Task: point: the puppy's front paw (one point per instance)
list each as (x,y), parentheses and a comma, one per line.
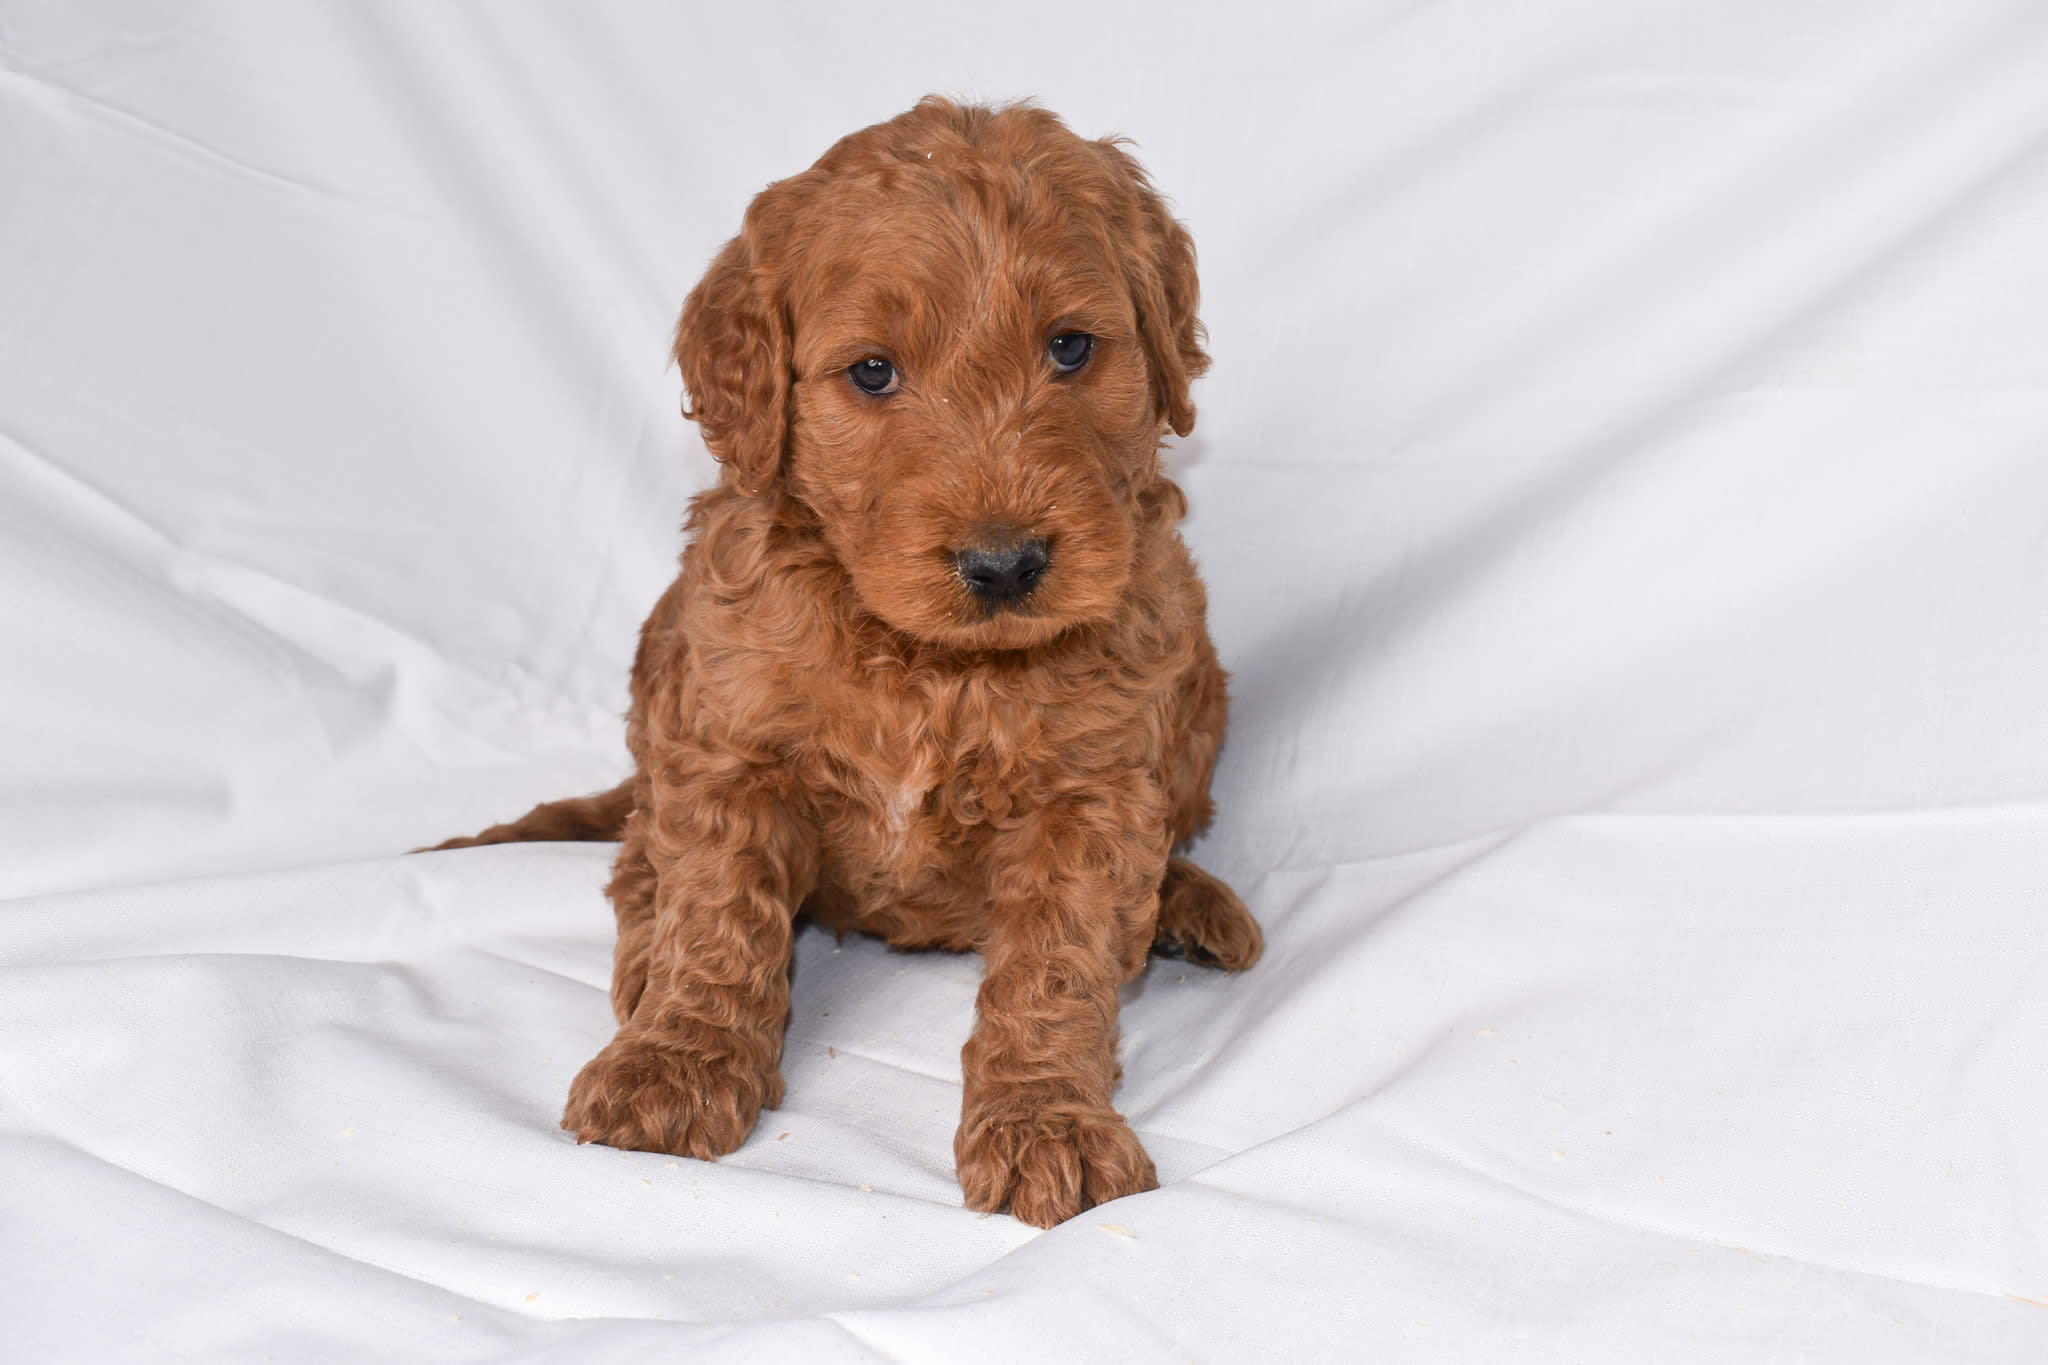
(1049,1165)
(658,1094)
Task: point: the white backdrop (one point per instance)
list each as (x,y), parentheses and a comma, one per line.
(1623,491)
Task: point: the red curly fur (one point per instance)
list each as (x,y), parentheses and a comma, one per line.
(827,721)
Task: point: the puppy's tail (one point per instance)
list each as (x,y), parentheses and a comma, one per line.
(595,818)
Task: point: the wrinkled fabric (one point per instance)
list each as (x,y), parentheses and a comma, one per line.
(1622,488)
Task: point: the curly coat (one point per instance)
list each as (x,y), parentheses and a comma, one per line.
(832,717)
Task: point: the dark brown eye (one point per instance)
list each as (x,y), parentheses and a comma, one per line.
(1070,350)
(873,375)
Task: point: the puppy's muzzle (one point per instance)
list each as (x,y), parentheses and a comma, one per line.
(1003,575)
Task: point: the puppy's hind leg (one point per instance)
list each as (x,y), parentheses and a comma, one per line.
(1202,920)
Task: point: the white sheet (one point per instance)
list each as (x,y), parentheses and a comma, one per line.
(1623,491)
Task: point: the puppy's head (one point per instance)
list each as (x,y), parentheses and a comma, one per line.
(955,342)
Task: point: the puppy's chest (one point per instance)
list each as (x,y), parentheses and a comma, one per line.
(918,785)
(915,776)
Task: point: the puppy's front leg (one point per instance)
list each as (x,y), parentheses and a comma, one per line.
(692,1067)
(1074,890)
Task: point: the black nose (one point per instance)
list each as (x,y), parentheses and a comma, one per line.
(1002,573)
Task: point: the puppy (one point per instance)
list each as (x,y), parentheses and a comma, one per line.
(935,667)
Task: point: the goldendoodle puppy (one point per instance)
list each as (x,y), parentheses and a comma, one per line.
(935,667)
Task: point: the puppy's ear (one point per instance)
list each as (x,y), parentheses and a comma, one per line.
(732,346)
(1166,290)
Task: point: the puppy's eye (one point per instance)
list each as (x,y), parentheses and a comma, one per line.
(1070,350)
(873,375)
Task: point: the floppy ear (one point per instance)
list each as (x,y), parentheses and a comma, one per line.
(1166,291)
(732,346)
